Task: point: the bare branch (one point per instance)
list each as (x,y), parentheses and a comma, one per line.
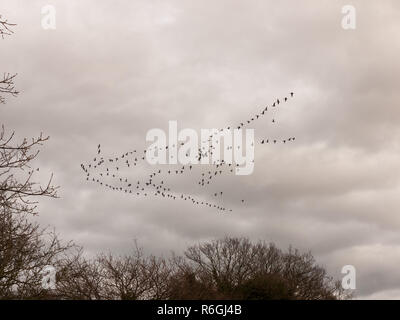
(5,27)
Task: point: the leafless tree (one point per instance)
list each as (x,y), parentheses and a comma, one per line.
(25,248)
(231,268)
(7,81)
(5,27)
(79,278)
(16,186)
(127,277)
(17,189)
(7,86)
(236,268)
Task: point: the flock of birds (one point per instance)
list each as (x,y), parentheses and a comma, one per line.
(111,172)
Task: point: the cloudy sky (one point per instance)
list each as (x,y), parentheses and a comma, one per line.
(111,71)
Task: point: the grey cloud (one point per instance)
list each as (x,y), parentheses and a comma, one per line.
(111,71)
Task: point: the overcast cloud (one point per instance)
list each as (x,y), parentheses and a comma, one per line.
(115,69)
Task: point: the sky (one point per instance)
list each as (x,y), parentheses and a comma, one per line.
(111,71)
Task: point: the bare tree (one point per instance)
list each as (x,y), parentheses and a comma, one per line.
(235,268)
(25,248)
(7,82)
(127,277)
(17,189)
(7,86)
(230,268)
(5,27)
(16,186)
(79,278)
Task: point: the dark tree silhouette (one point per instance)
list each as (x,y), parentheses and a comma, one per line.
(236,268)
(7,86)
(5,27)
(7,82)
(25,248)
(17,189)
(231,268)
(129,277)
